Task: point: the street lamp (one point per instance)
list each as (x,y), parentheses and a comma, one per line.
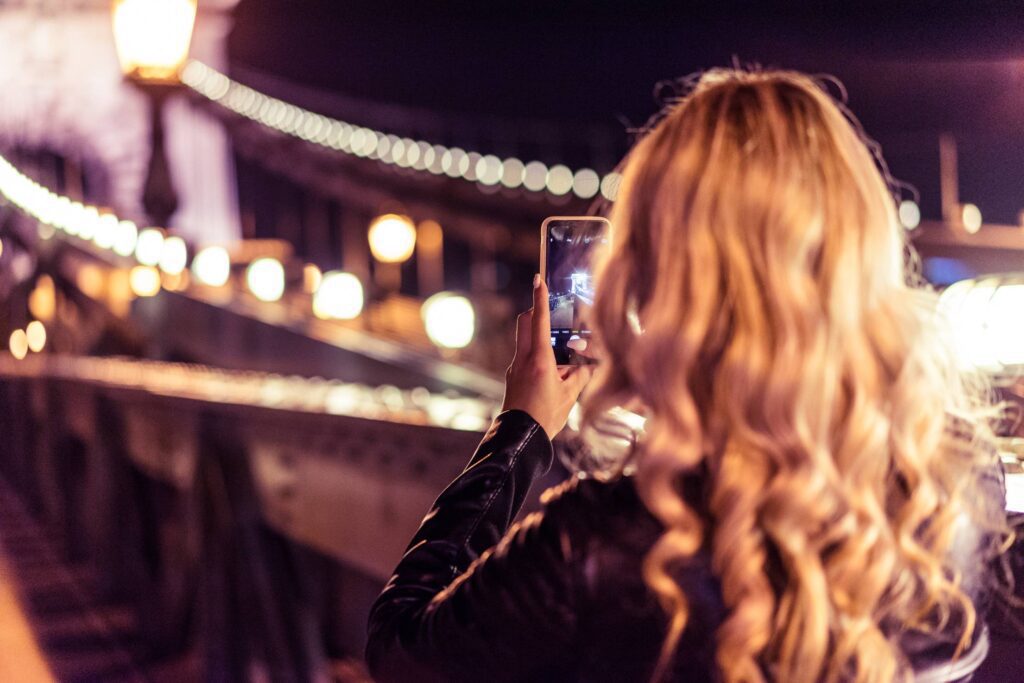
(152,39)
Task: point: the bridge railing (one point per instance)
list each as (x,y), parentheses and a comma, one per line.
(249,517)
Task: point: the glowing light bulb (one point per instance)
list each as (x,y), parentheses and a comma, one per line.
(35,335)
(144,281)
(451,161)
(152,36)
(125,238)
(42,302)
(106,231)
(265,279)
(87,221)
(489,170)
(173,255)
(340,296)
(610,186)
(436,165)
(18,344)
(212,266)
(559,180)
(535,176)
(449,320)
(149,246)
(586,183)
(392,238)
(971,217)
(512,173)
(910,214)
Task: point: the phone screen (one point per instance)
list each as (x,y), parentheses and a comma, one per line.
(569,250)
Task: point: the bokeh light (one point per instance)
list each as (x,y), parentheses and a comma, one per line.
(18,344)
(559,180)
(970,215)
(152,36)
(212,266)
(173,255)
(144,281)
(340,296)
(265,279)
(35,334)
(106,231)
(449,320)
(910,214)
(392,238)
(125,238)
(586,183)
(149,246)
(42,302)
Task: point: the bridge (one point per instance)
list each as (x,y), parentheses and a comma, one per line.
(221,428)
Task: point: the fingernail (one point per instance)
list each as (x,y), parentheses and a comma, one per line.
(536,280)
(577,344)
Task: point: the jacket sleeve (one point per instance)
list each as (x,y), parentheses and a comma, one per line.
(461,605)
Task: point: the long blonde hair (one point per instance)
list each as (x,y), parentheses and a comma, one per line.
(754,301)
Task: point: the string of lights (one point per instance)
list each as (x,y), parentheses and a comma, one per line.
(392,150)
(158,257)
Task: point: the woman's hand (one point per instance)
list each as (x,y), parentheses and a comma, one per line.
(533,383)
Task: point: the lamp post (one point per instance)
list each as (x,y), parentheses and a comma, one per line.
(152,39)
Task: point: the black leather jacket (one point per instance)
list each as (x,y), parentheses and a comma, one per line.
(560,596)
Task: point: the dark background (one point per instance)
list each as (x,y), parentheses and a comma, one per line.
(911,69)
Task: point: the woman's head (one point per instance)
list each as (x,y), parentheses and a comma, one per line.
(754,302)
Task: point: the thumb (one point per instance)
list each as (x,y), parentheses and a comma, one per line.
(541,327)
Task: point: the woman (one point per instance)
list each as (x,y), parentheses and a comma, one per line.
(814,496)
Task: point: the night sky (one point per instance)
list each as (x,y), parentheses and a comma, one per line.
(911,69)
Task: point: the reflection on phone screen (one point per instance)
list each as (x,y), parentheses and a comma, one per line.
(570,250)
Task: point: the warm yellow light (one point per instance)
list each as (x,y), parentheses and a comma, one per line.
(173,255)
(449,320)
(144,280)
(42,302)
(149,246)
(212,266)
(152,37)
(265,279)
(106,231)
(1,247)
(125,237)
(90,280)
(340,296)
(311,277)
(35,334)
(18,344)
(392,238)
(971,217)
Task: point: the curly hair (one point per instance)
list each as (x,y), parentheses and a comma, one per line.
(755,301)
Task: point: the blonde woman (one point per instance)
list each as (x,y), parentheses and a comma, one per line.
(814,497)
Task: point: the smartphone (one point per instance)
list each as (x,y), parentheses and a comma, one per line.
(567,248)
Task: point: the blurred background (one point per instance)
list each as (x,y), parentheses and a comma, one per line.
(260,263)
